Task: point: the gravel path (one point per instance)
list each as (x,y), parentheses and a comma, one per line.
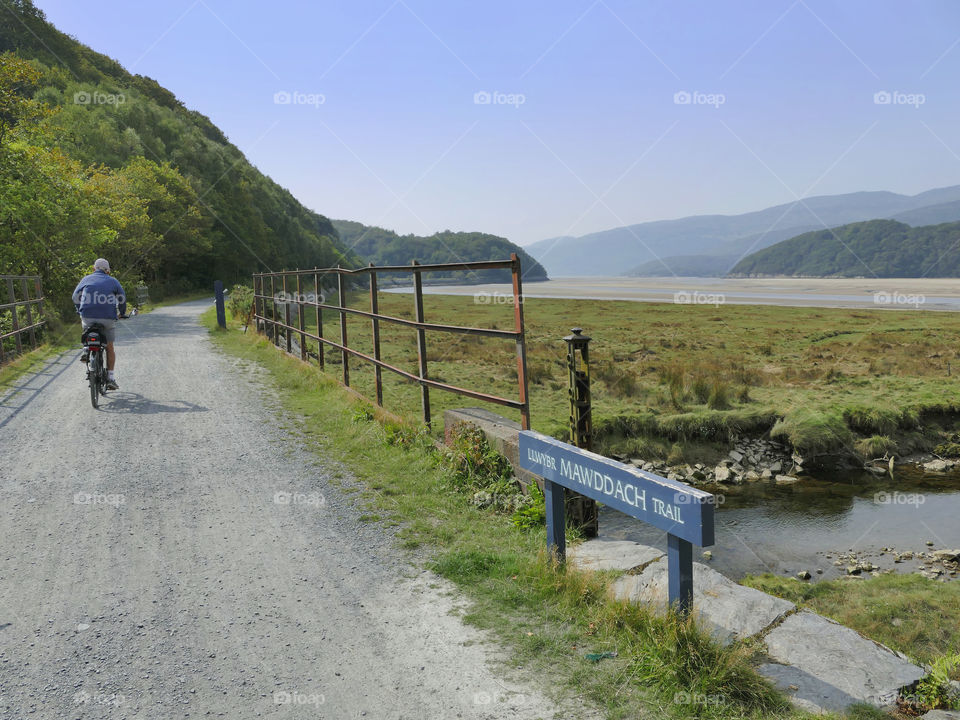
(149,569)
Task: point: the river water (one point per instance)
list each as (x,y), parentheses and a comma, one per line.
(784,529)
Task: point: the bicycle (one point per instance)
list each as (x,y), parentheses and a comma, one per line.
(95,348)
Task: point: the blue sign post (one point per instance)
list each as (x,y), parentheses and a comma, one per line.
(218,296)
(684,512)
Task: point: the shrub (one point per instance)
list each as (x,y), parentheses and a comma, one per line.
(241,303)
(876,446)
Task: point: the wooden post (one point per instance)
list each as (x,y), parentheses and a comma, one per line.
(13,310)
(318,296)
(375,309)
(303,339)
(554,496)
(680,573)
(421,343)
(221,312)
(344,355)
(26,296)
(521,342)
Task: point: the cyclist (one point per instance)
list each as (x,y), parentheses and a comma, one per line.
(97,298)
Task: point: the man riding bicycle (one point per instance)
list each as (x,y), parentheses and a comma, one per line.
(98,297)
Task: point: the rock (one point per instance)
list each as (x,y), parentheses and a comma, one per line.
(853,569)
(946,555)
(766,474)
(803,575)
(831,666)
(751,476)
(603,554)
(819,571)
(775,467)
(722,473)
(707,555)
(785,479)
(929,543)
(941,715)
(937,466)
(737,456)
(730,611)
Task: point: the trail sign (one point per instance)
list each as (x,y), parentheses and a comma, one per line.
(685,513)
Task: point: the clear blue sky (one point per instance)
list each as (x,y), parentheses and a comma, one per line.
(599,139)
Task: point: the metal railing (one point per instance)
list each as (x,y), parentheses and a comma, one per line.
(19,299)
(281,281)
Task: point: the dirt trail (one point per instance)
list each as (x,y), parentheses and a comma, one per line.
(148,568)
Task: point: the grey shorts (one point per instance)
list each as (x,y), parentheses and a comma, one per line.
(109,326)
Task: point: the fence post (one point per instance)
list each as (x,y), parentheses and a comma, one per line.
(680,573)
(303,340)
(221,313)
(582,510)
(286,315)
(38,287)
(318,296)
(13,311)
(273,312)
(375,309)
(26,296)
(521,341)
(344,355)
(421,343)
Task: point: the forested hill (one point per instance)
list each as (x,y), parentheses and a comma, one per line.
(385,247)
(96,161)
(876,248)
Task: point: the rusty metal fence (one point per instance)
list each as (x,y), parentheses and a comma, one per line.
(267,286)
(21,315)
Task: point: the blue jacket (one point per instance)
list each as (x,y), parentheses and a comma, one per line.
(99,295)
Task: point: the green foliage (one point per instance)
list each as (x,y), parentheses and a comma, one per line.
(879,248)
(934,691)
(241,303)
(876,446)
(95,161)
(532,514)
(474,464)
(385,247)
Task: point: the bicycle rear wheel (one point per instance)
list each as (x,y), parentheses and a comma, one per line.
(93,375)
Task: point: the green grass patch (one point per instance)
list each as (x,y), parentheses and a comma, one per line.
(549,618)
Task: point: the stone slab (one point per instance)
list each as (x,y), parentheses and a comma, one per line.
(605,554)
(834,666)
(942,715)
(729,611)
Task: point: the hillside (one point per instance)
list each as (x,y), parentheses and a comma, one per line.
(638,249)
(385,247)
(96,161)
(877,248)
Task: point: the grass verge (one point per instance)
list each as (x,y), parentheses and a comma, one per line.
(548,618)
(58,338)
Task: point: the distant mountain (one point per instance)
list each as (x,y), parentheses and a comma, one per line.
(385,247)
(665,247)
(877,248)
